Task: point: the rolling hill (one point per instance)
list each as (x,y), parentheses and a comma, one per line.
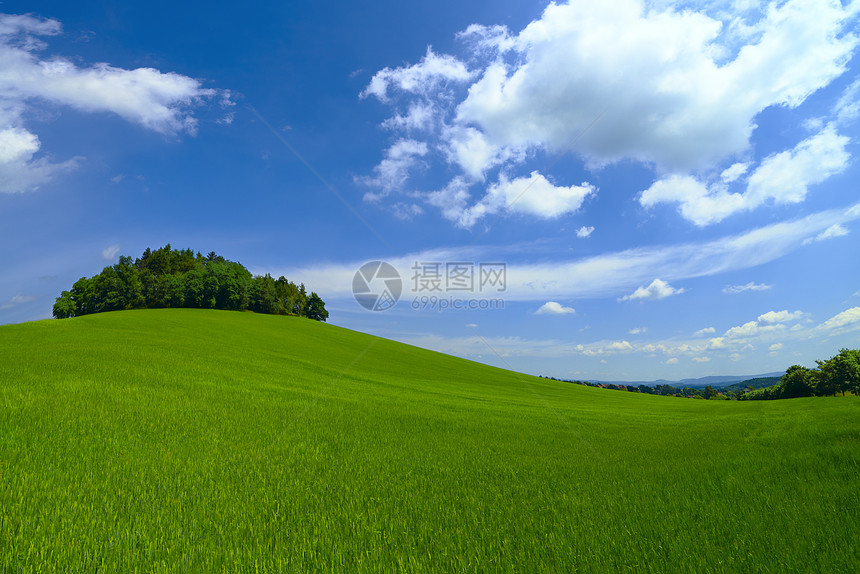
(188,440)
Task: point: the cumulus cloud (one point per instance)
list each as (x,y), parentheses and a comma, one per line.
(675,89)
(421,78)
(584,231)
(772,317)
(658,289)
(534,195)
(748,329)
(672,361)
(705,331)
(162,102)
(783,178)
(845,321)
(553,308)
(638,330)
(701,359)
(751,286)
(770,322)
(669,76)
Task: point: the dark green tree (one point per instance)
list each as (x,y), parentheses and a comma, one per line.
(840,373)
(64,307)
(797,382)
(316,308)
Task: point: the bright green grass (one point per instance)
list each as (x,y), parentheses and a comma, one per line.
(182,440)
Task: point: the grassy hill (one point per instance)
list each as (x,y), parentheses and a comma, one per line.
(183,440)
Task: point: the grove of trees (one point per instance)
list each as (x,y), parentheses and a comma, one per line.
(838,374)
(180,278)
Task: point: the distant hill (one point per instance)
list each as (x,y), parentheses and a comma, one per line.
(757,383)
(716,381)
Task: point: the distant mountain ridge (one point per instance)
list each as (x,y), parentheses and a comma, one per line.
(716,381)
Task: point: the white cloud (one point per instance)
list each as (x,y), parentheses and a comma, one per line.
(638,330)
(469,149)
(835,230)
(705,331)
(782,178)
(659,72)
(847,109)
(751,286)
(845,321)
(534,195)
(472,325)
(584,231)
(773,317)
(697,350)
(698,203)
(770,322)
(421,78)
(158,101)
(420,116)
(748,329)
(393,171)
(108,253)
(658,289)
(619,347)
(16,300)
(605,275)
(676,88)
(553,308)
(733,172)
(785,177)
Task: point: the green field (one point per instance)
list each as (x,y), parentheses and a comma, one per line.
(186,440)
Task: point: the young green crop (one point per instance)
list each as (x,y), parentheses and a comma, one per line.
(183,440)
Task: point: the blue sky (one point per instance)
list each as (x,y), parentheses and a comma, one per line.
(671,187)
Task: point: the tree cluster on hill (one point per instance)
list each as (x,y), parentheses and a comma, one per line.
(837,374)
(180,278)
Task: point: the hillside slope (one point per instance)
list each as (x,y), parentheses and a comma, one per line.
(181,439)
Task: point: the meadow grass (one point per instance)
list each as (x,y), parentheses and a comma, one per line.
(186,440)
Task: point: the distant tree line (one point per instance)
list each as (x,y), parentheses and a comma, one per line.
(838,374)
(180,278)
(663,390)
